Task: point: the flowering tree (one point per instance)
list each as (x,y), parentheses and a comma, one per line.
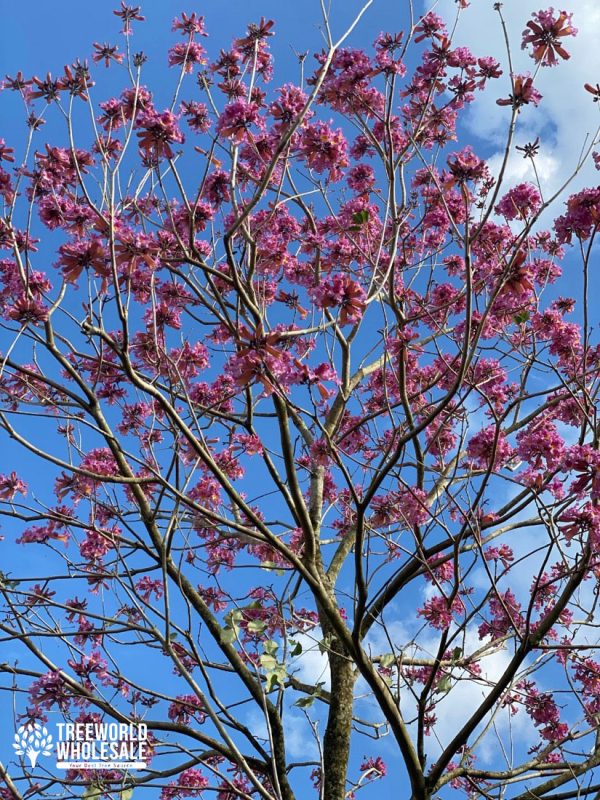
(292,363)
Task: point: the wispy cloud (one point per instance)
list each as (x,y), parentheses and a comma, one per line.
(566,119)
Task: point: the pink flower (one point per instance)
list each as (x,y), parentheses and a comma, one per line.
(541,445)
(6,153)
(324,149)
(466,166)
(505,616)
(375,767)
(504,554)
(439,570)
(196,115)
(237,118)
(341,291)
(545,34)
(582,218)
(190,783)
(250,443)
(431,26)
(542,709)
(188,54)
(361,178)
(10,485)
(521,202)
(160,132)
(50,690)
(320,451)
(185,707)
(289,105)
(488,444)
(584,522)
(488,68)
(439,612)
(217,187)
(189,25)
(388,47)
(97,544)
(413,507)
(147,586)
(523,93)
(93,664)
(128,14)
(28,311)
(107,53)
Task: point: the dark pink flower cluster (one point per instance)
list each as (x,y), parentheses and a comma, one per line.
(505,616)
(441,613)
(187,54)
(343,292)
(582,218)
(374,767)
(186,707)
(324,149)
(521,202)
(10,485)
(190,783)
(489,448)
(545,34)
(544,712)
(159,132)
(50,690)
(523,92)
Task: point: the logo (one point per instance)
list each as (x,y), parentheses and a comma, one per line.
(33,740)
(86,745)
(93,745)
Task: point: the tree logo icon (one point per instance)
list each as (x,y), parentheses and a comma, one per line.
(33,740)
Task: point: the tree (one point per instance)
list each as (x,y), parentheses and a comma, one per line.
(299,387)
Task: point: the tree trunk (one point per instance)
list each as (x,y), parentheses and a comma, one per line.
(336,742)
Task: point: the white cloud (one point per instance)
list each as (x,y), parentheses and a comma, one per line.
(298,741)
(311,666)
(464,698)
(567,117)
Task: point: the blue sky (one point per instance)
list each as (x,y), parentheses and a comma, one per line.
(40,36)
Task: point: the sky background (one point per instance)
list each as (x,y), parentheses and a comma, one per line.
(39,36)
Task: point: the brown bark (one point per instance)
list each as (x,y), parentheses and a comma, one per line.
(336,742)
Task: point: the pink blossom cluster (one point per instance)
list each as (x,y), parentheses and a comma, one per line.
(190,783)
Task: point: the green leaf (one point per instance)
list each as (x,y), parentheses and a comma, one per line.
(127,794)
(296,649)
(457,653)
(324,644)
(271,647)
(228,635)
(387,660)
(444,685)
(7,582)
(360,217)
(271,566)
(521,317)
(305,702)
(269,662)
(257,626)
